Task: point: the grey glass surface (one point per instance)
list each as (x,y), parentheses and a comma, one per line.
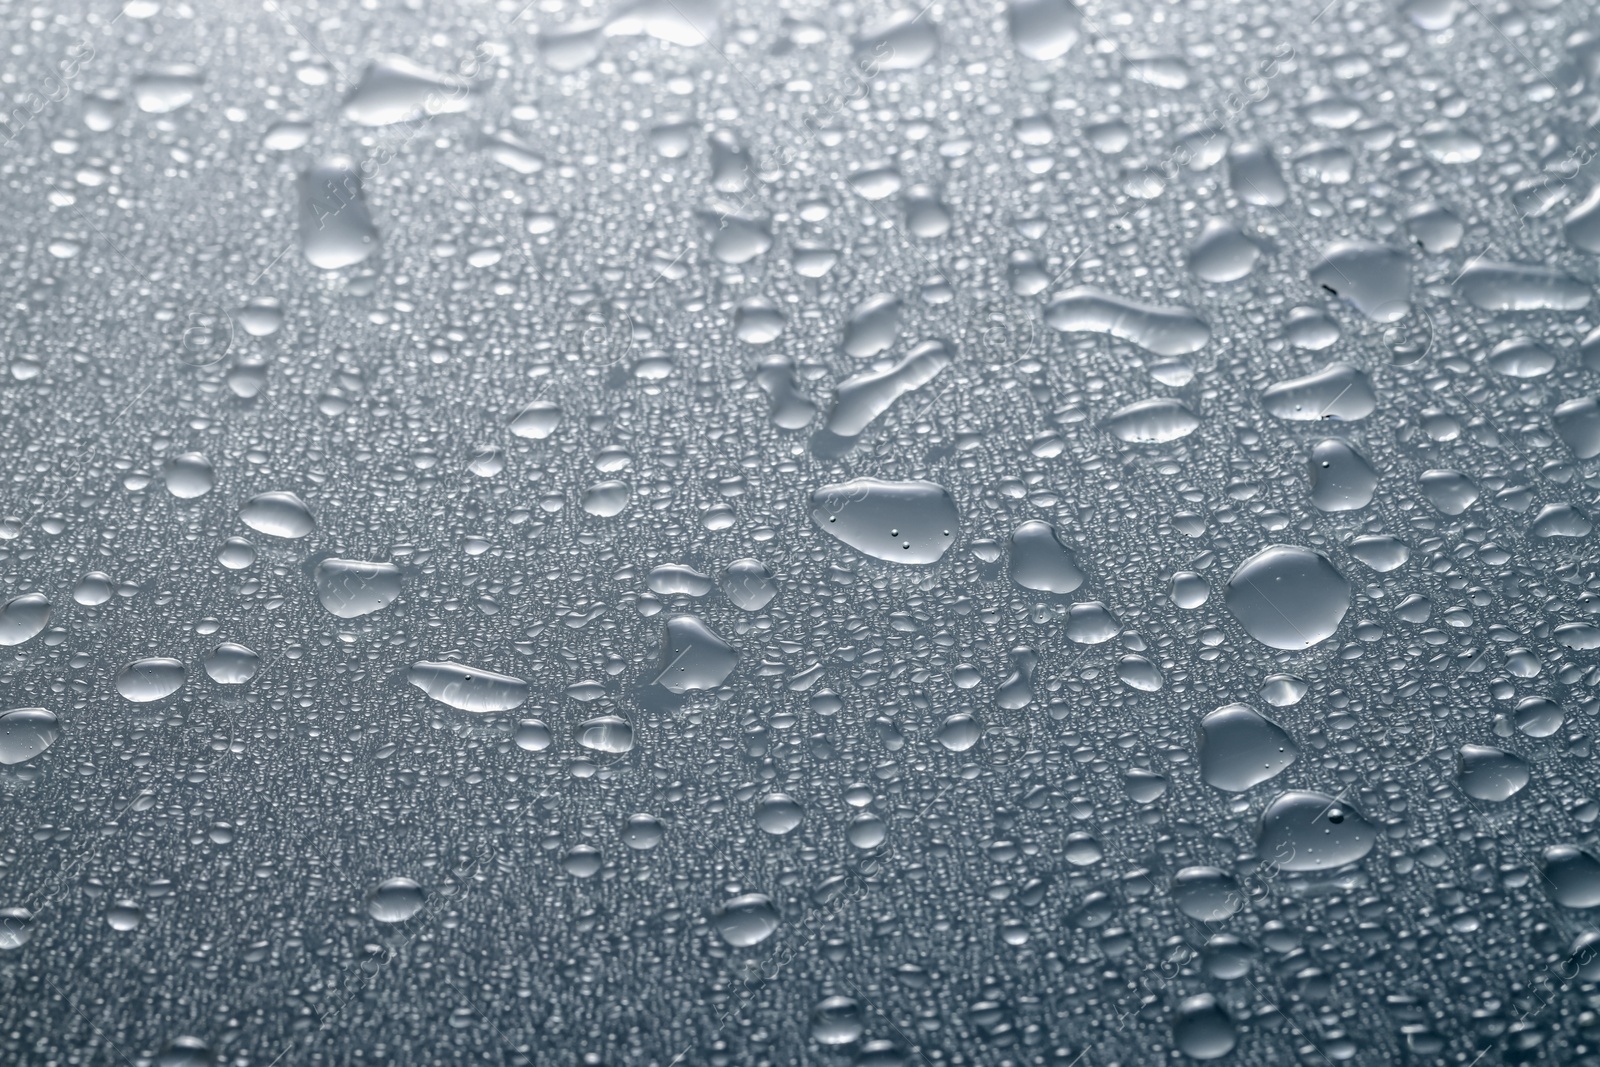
(677,532)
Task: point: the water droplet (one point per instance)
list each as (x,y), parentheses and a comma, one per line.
(749,583)
(280,514)
(231,663)
(1495,286)
(905,41)
(871,326)
(1288,597)
(1341,478)
(395,900)
(162,90)
(864,397)
(1337,391)
(863,512)
(1044,30)
(26,733)
(189,475)
(351,588)
(22,618)
(1222,253)
(1164,331)
(1374,278)
(1041,561)
(1305,831)
(145,681)
(468,688)
(1201,1028)
(779,814)
(336,228)
(394,89)
(1240,748)
(1154,421)
(1487,773)
(745,920)
(610,734)
(1206,893)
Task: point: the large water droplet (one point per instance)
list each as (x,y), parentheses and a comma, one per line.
(395,900)
(350,588)
(1240,748)
(336,228)
(25,733)
(1487,773)
(1041,561)
(864,397)
(468,688)
(1222,253)
(1165,331)
(1154,421)
(694,656)
(1375,278)
(1044,29)
(1288,597)
(905,41)
(1206,893)
(899,522)
(1337,391)
(1495,286)
(145,681)
(779,814)
(280,514)
(1341,477)
(394,89)
(190,475)
(1306,831)
(872,326)
(231,663)
(1201,1028)
(161,90)
(22,618)
(1572,875)
(745,920)
(1577,422)
(610,734)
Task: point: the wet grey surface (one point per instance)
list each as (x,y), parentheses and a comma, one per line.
(695,533)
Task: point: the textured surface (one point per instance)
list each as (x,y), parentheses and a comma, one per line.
(673,533)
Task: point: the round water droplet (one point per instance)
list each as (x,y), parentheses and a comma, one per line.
(1206,893)
(1202,1030)
(611,734)
(25,733)
(1572,875)
(1305,831)
(351,588)
(1288,597)
(643,832)
(280,514)
(93,589)
(190,475)
(837,1021)
(147,680)
(1487,773)
(23,618)
(745,920)
(395,900)
(1240,749)
(16,928)
(124,915)
(779,814)
(532,735)
(231,663)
